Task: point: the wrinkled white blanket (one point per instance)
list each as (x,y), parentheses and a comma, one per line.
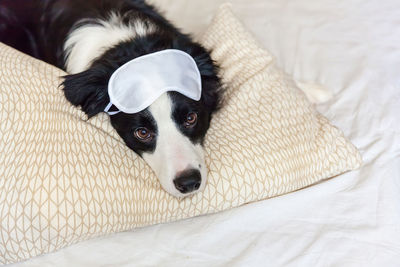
(351,47)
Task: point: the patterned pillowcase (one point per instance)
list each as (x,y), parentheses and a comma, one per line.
(64,179)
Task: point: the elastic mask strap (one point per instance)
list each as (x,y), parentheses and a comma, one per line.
(110,112)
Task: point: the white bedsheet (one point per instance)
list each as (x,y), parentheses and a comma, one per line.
(353,48)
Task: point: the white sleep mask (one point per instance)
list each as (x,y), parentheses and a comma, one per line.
(137,84)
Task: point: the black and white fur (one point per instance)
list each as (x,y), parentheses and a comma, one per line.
(90,39)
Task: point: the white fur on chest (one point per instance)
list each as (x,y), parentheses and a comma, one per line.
(89,41)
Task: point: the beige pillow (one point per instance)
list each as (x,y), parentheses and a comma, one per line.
(64,179)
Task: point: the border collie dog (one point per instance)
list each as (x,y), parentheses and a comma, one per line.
(91,39)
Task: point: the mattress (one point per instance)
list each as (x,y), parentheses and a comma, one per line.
(351,47)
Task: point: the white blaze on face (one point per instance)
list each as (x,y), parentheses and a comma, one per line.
(174,153)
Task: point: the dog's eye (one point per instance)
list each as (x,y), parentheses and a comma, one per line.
(143,134)
(191,119)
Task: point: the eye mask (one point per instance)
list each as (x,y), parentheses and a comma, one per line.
(138,83)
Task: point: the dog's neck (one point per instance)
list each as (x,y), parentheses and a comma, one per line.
(92,38)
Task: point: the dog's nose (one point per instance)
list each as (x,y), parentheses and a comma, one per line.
(188,181)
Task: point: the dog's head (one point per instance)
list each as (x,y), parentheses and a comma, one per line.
(168,134)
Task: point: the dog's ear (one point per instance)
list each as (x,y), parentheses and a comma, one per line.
(211,83)
(88,90)
(211,94)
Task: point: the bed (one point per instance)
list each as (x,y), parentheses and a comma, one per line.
(351,47)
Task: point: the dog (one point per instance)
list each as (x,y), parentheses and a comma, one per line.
(90,40)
